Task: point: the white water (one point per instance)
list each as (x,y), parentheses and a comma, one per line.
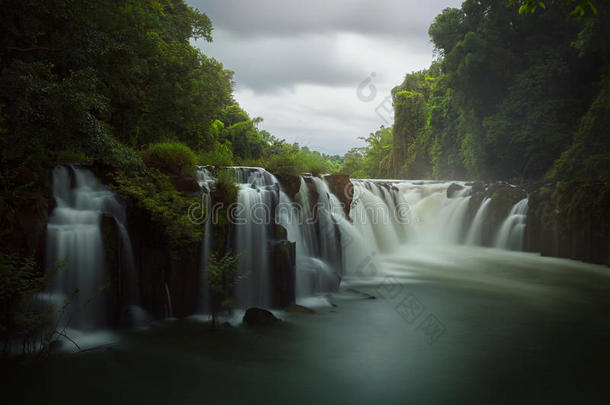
(475,235)
(74,235)
(258,194)
(510,235)
(384,217)
(391,214)
(204,178)
(169,310)
(206,181)
(326,242)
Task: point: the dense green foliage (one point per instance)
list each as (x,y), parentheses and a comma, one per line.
(82,76)
(373,160)
(20,323)
(518,90)
(153,192)
(510,96)
(117,85)
(530,6)
(170,157)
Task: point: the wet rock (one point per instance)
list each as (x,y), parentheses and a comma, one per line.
(341,186)
(476,187)
(259,317)
(279,232)
(282,261)
(290,184)
(503,197)
(453,189)
(158,265)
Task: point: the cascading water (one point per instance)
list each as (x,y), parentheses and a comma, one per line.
(326,242)
(169,310)
(384,215)
(475,234)
(258,195)
(390,214)
(374,215)
(510,235)
(74,234)
(205,180)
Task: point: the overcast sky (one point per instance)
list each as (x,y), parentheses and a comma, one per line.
(300,64)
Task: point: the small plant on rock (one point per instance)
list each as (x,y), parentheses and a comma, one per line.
(222,278)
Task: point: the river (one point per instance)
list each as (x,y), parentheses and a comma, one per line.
(447,325)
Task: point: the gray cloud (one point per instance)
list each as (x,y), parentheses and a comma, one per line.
(292,18)
(271,63)
(298,63)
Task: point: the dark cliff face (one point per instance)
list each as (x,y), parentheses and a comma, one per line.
(159,265)
(570,220)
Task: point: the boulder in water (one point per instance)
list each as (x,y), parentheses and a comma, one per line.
(453,189)
(259,317)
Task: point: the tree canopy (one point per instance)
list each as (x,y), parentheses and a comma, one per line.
(509,96)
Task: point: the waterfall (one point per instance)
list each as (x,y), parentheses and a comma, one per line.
(169,311)
(74,234)
(257,199)
(475,234)
(329,211)
(327,243)
(510,235)
(374,214)
(205,180)
(384,215)
(390,214)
